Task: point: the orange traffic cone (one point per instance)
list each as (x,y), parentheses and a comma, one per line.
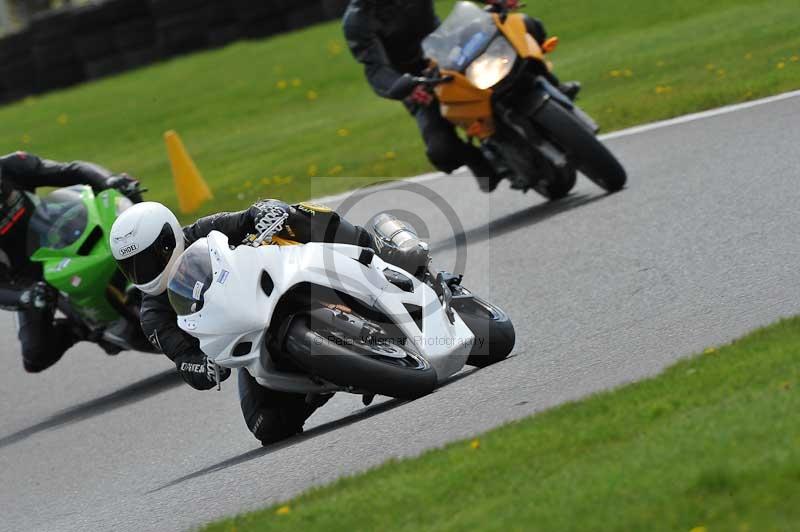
(191,188)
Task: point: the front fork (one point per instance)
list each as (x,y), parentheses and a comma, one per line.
(544,91)
(519,115)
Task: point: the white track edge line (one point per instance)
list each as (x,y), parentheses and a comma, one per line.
(635,130)
(710,113)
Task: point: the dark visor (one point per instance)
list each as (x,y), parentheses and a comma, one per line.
(150,263)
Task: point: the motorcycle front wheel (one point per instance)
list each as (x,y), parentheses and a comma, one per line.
(378,366)
(583,148)
(493,330)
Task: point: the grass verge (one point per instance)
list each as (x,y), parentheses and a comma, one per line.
(265,118)
(712,444)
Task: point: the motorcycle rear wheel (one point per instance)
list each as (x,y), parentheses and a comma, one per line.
(380,368)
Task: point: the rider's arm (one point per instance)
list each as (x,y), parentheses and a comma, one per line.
(235,225)
(160,325)
(368,50)
(306,222)
(28,171)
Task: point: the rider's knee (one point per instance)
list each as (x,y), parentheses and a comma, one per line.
(36,360)
(270,416)
(268,425)
(440,151)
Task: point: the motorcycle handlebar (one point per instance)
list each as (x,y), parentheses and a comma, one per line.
(433,81)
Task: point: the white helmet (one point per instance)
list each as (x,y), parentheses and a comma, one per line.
(146,241)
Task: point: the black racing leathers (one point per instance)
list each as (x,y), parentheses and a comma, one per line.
(43,339)
(269,415)
(19,173)
(386,37)
(306,223)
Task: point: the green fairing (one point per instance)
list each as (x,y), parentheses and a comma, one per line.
(84,278)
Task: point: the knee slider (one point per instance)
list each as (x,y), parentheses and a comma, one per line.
(33,361)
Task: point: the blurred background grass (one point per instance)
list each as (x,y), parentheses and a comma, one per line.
(267,118)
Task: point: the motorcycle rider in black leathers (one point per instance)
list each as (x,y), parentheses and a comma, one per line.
(44,339)
(386,37)
(270,415)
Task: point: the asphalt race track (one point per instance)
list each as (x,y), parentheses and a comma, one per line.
(701,248)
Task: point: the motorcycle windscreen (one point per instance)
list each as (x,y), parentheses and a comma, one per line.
(461,38)
(58,221)
(191,279)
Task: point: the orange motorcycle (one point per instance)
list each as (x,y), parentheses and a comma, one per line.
(491,80)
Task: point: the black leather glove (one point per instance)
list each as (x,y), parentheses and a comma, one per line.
(40,296)
(127,186)
(198,371)
(269,218)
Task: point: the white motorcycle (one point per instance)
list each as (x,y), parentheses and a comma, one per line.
(320,318)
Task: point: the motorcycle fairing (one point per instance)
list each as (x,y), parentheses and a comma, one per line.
(517,34)
(237,311)
(81,267)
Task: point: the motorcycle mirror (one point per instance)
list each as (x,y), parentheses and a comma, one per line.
(403,87)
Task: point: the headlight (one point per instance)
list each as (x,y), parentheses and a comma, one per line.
(494,65)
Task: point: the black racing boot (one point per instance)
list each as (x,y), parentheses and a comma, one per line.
(115,338)
(498,169)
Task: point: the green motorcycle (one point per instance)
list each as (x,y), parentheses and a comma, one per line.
(68,235)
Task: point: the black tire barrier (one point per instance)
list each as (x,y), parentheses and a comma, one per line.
(15,45)
(69,45)
(305,16)
(58,76)
(334,8)
(223,35)
(223,14)
(95,45)
(135,34)
(57,64)
(17,78)
(259,9)
(165,9)
(52,26)
(139,58)
(183,33)
(262,27)
(106,66)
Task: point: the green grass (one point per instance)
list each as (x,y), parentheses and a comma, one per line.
(712,444)
(248,117)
